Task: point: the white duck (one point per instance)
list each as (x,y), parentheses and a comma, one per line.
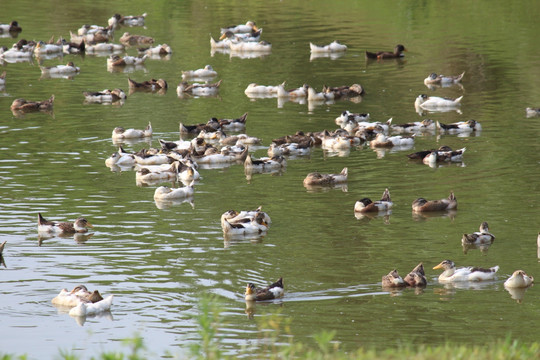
(248,27)
(206,72)
(451,274)
(332,47)
(167,193)
(519,279)
(120,133)
(434,102)
(479,237)
(67,69)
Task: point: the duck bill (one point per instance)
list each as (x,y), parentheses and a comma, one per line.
(438,267)
(249,291)
(222,36)
(89,225)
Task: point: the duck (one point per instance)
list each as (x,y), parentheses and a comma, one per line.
(198,89)
(132,40)
(398,53)
(460,127)
(99,36)
(252,36)
(80,225)
(206,72)
(261,46)
(150,174)
(69,68)
(532,112)
(128,20)
(481,237)
(445,155)
(121,133)
(301,92)
(435,102)
(71,47)
(3,79)
(417,126)
(366,205)
(255,89)
(2,246)
(236,124)
(28,106)
(393,280)
(451,274)
(381,140)
(25,53)
(94,29)
(104,47)
(291,149)
(417,277)
(120,158)
(255,225)
(167,193)
(213,156)
(45,49)
(211,125)
(12,27)
(345,91)
(149,85)
(244,216)
(434,79)
(347,115)
(316,178)
(248,27)
(519,279)
(82,301)
(272,291)
(420,155)
(421,204)
(313,95)
(105,96)
(330,48)
(161,49)
(115,60)
(265,163)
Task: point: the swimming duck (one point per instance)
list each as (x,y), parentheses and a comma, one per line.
(254,90)
(248,27)
(244,216)
(120,158)
(12,27)
(434,79)
(347,115)
(150,174)
(71,47)
(417,126)
(115,60)
(381,140)
(421,204)
(198,89)
(470,273)
(444,154)
(121,133)
(43,49)
(434,102)
(393,280)
(206,72)
(213,156)
(232,124)
(210,126)
(67,69)
(480,237)
(82,301)
(265,163)
(366,205)
(291,149)
(261,46)
(80,225)
(128,20)
(532,112)
(28,106)
(345,90)
(316,178)
(256,225)
(252,36)
(319,96)
(332,47)
(459,127)
(519,279)
(398,53)
(132,40)
(161,49)
(105,96)
(300,92)
(167,193)
(272,291)
(149,85)
(16,53)
(417,277)
(104,47)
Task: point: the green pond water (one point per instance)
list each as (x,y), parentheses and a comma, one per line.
(158,261)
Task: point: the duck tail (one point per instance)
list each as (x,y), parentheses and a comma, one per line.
(389,122)
(41,219)
(345,171)
(248,161)
(458,100)
(460,77)
(243,118)
(386,195)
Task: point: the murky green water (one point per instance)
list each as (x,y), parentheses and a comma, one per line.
(159,261)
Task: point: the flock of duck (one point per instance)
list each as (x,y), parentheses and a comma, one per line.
(209,145)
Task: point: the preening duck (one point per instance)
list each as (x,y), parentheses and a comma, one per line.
(12,27)
(532,112)
(272,291)
(128,20)
(366,205)
(82,301)
(519,279)
(248,27)
(332,47)
(451,274)
(483,236)
(435,102)
(459,127)
(167,193)
(67,69)
(105,96)
(161,50)
(421,204)
(132,40)
(265,163)
(206,72)
(120,133)
(24,105)
(149,85)
(417,277)
(393,280)
(396,54)
(255,225)
(198,89)
(434,79)
(414,127)
(80,225)
(115,60)
(316,178)
(381,140)
(444,155)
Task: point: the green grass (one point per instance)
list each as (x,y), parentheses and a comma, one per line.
(272,327)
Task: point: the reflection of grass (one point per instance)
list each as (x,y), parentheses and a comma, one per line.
(274,327)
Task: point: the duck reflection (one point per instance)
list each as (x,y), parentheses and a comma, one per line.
(132,141)
(80,238)
(385,215)
(165,204)
(330,55)
(81,320)
(516,293)
(233,239)
(323,188)
(423,216)
(2,261)
(482,247)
